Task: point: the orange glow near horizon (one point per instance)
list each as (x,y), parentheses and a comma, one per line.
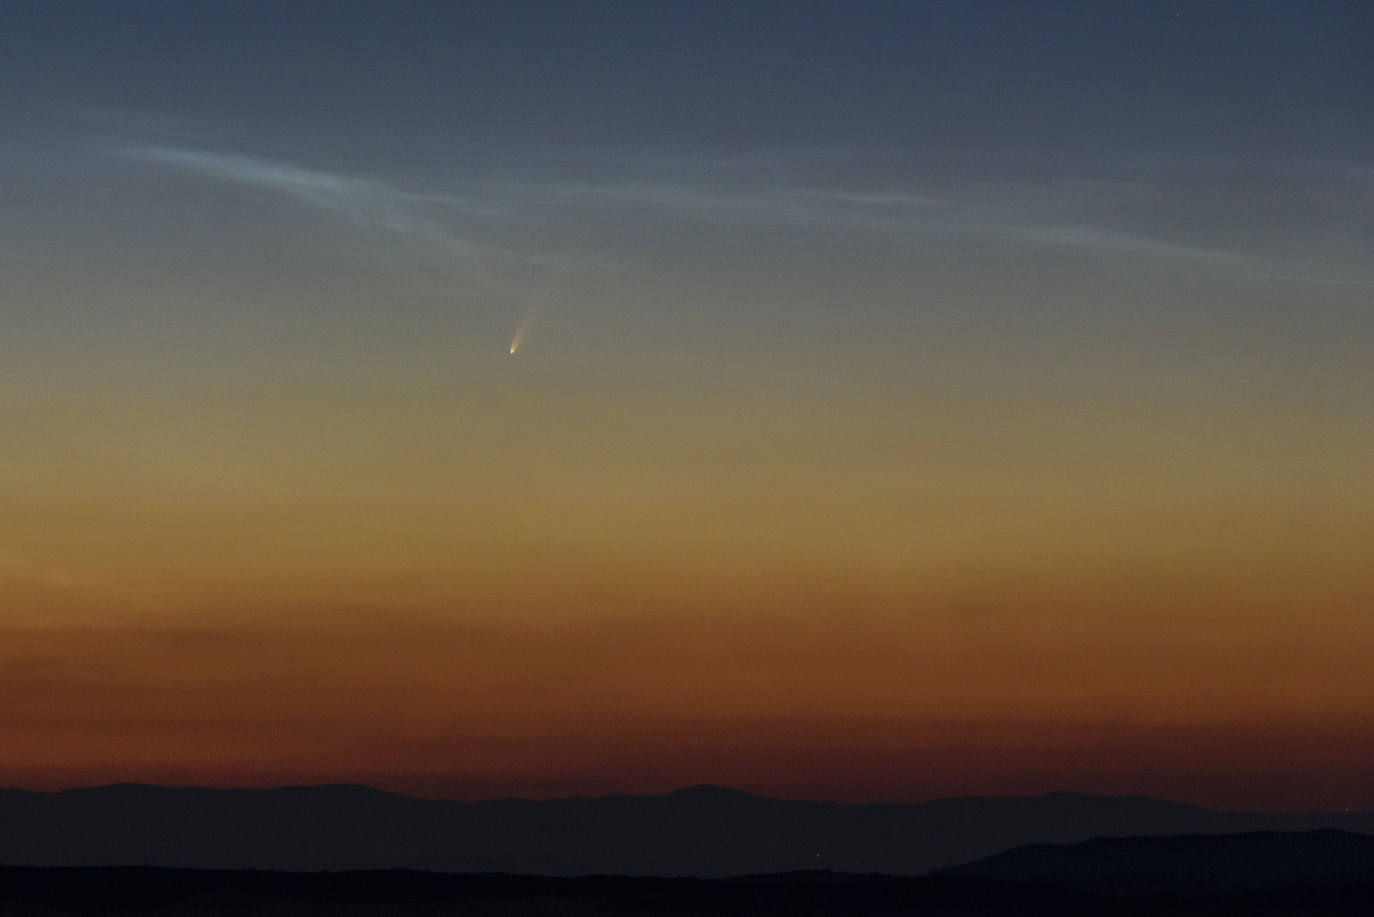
(574,413)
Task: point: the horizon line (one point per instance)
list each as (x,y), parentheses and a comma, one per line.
(690,788)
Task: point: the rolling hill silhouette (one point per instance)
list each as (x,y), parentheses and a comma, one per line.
(160,892)
(1190,864)
(126,891)
(698,831)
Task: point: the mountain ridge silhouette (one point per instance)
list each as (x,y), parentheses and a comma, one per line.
(1187,864)
(700,830)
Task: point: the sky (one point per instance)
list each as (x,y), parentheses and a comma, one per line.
(846,400)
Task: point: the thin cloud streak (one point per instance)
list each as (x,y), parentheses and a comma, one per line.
(1070,214)
(1075,213)
(368,204)
(405,229)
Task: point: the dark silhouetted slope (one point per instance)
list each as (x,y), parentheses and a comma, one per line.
(131,891)
(172,893)
(700,831)
(1190,864)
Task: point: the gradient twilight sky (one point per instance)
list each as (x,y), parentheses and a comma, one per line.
(913,398)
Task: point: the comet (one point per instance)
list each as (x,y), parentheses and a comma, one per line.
(521,331)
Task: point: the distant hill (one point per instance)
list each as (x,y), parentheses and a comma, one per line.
(699,831)
(153,892)
(1192,864)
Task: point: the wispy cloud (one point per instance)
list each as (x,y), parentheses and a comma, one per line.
(1201,213)
(437,240)
(369,205)
(1146,208)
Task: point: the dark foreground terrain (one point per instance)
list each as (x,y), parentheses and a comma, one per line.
(705,832)
(1311,873)
(1194,865)
(50,892)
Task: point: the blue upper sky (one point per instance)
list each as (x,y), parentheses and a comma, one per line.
(1247,75)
